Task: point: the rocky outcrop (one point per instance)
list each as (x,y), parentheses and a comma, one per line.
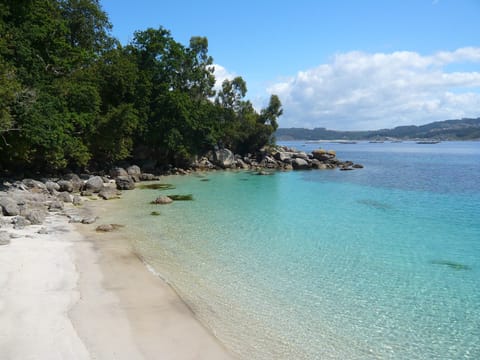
(9,206)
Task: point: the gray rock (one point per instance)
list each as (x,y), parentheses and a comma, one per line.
(118,171)
(148,177)
(9,206)
(86,193)
(55,206)
(77,183)
(19,222)
(241,164)
(75,219)
(108,193)
(36,217)
(105,228)
(42,231)
(163,200)
(125,183)
(65,185)
(94,184)
(52,187)
(135,172)
(77,200)
(224,158)
(357,166)
(34,184)
(323,155)
(65,197)
(282,156)
(89,220)
(15,236)
(299,164)
(300,155)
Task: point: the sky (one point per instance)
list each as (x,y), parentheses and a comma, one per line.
(338,64)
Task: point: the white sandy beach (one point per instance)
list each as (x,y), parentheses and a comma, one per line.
(76,294)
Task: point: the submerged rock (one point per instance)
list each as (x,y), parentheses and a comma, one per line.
(162,200)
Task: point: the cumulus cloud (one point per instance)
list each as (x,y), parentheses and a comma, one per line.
(358,90)
(221,74)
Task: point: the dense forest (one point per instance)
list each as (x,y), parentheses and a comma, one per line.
(464,129)
(72,97)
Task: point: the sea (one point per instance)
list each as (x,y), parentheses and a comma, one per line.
(377,263)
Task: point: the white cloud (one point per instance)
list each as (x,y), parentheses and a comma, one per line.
(357,90)
(221,74)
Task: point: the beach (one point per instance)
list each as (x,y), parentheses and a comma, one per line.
(69,292)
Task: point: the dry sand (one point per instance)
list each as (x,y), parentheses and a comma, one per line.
(76,294)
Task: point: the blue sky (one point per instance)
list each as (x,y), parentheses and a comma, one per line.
(337,64)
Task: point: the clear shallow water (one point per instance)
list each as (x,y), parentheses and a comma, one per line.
(382,262)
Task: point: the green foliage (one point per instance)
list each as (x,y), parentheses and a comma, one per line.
(71,97)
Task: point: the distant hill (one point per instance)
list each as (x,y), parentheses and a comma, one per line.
(464,129)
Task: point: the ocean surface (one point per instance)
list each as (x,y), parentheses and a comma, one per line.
(377,263)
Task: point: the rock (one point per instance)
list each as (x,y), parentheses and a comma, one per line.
(224,158)
(357,166)
(94,184)
(118,171)
(36,217)
(162,200)
(52,187)
(55,206)
(148,177)
(323,155)
(88,220)
(300,155)
(75,219)
(299,164)
(77,183)
(345,168)
(64,197)
(77,200)
(9,206)
(19,222)
(86,193)
(317,164)
(135,172)
(4,239)
(287,167)
(282,156)
(34,185)
(65,185)
(264,173)
(42,231)
(125,183)
(108,193)
(241,164)
(104,228)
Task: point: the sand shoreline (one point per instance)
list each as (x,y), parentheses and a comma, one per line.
(78,294)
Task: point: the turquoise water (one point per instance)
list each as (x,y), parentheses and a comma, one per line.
(378,263)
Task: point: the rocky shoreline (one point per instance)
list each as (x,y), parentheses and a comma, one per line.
(27,202)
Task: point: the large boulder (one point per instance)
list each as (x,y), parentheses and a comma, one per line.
(9,207)
(94,184)
(65,185)
(282,156)
(323,155)
(118,171)
(108,193)
(52,187)
(77,183)
(224,158)
(36,217)
(65,197)
(135,172)
(34,185)
(300,164)
(125,183)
